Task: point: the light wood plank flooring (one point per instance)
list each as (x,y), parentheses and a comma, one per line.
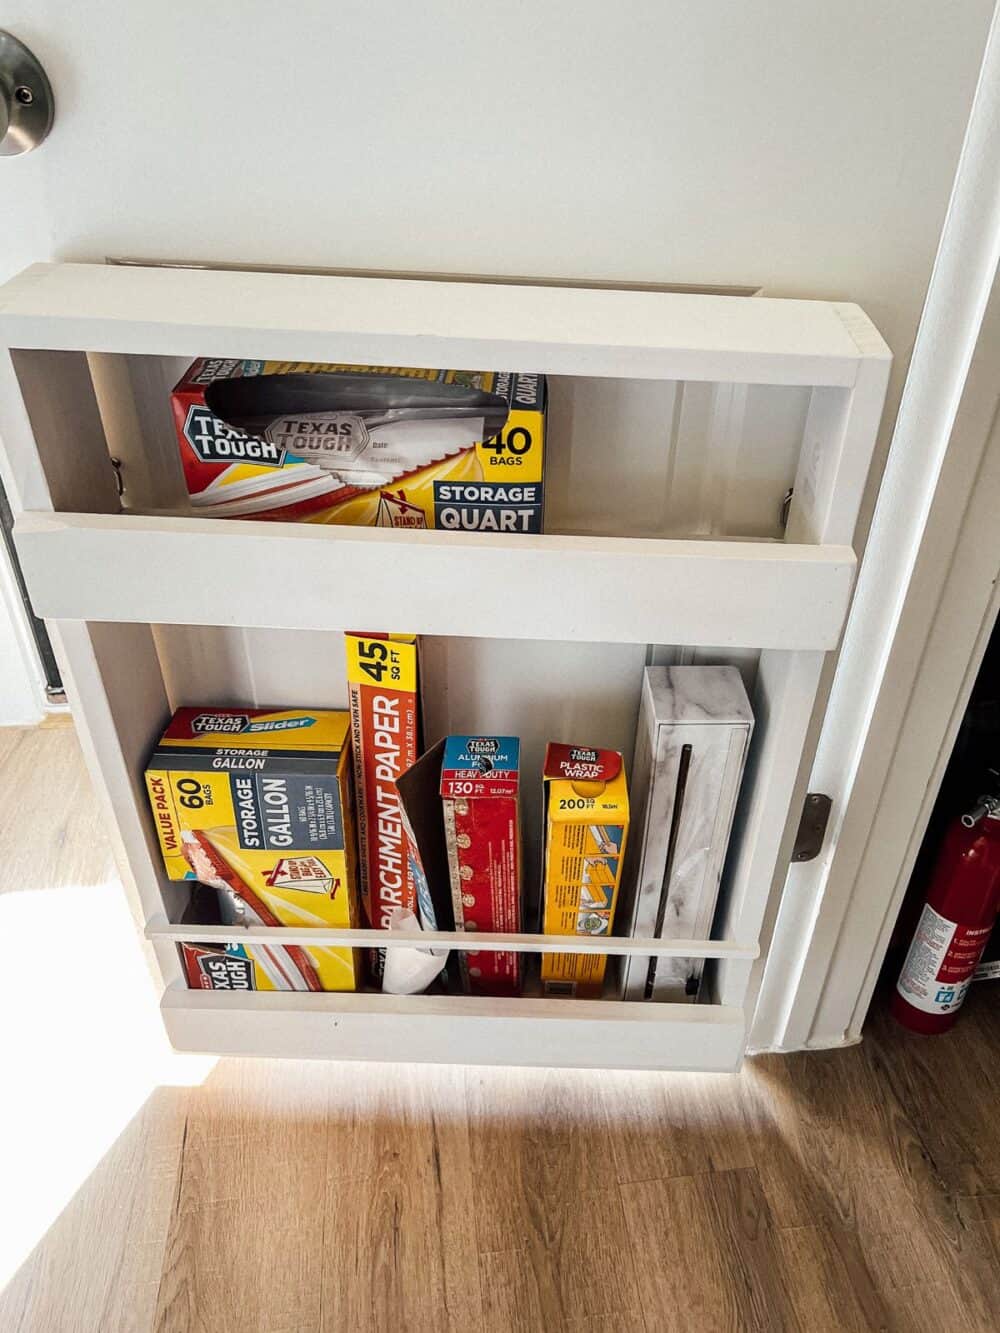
(848,1190)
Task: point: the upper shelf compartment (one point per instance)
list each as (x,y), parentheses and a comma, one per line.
(672,416)
(384,321)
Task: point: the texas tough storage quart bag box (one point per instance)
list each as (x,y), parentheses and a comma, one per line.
(372,446)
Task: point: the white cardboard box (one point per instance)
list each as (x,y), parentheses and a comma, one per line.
(691,747)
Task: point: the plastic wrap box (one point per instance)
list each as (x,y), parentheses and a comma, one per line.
(586,823)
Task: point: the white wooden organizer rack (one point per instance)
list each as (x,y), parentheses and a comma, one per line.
(676,423)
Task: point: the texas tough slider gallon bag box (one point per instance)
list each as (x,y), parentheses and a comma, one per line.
(382,687)
(372,446)
(586,822)
(257,804)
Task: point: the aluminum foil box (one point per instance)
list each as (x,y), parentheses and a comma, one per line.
(480,785)
(370,446)
(691,746)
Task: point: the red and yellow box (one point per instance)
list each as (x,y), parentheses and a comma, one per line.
(236,966)
(586,824)
(382,686)
(383,446)
(257,804)
(480,781)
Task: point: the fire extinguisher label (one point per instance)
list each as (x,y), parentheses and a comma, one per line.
(939,966)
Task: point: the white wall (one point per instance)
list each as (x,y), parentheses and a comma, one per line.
(807,145)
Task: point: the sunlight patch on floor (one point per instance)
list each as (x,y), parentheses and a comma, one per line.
(81,1047)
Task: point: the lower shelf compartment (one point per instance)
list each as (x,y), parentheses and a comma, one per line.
(427,1029)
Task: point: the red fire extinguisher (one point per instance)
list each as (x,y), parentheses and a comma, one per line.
(956,923)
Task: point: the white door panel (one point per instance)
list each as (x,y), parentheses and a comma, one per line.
(801,146)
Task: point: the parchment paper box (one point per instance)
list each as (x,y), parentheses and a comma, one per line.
(691,747)
(258,805)
(370,446)
(382,688)
(586,824)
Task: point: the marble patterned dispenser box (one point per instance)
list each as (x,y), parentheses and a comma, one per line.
(690,751)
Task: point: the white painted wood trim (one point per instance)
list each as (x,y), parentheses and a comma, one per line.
(628,590)
(928,717)
(22,678)
(836,912)
(23,701)
(962,615)
(553,330)
(457,1029)
(160,929)
(767,818)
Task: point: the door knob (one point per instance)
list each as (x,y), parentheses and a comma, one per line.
(26,105)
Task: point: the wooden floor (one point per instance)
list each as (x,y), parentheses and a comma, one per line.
(849,1190)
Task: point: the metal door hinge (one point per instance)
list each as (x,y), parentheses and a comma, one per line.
(812,827)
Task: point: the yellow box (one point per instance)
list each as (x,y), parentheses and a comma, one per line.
(258,804)
(382,691)
(586,824)
(369,446)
